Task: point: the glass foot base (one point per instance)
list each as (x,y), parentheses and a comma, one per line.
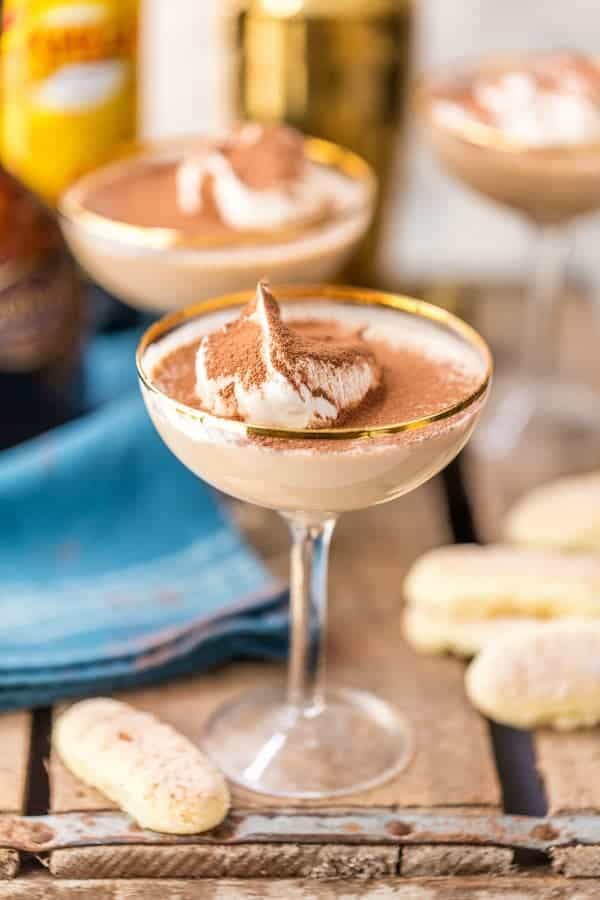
(351,742)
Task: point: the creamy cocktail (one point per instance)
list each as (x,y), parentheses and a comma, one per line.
(177,221)
(410,367)
(524,131)
(312,401)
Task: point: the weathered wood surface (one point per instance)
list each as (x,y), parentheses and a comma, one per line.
(568,763)
(570,766)
(15,738)
(43,887)
(427,861)
(371,553)
(577,862)
(286,860)
(237,861)
(9,863)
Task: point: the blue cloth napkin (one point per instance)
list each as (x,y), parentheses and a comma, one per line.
(118,567)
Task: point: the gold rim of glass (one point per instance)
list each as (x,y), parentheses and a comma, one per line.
(478,133)
(71,206)
(358,296)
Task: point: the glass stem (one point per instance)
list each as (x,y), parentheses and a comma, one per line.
(308,608)
(539,350)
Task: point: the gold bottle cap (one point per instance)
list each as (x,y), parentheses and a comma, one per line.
(287,9)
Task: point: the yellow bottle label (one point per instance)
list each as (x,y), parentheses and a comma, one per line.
(68,86)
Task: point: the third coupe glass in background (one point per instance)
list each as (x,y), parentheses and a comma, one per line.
(525,132)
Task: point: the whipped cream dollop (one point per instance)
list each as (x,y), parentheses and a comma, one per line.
(259,178)
(260,370)
(553,99)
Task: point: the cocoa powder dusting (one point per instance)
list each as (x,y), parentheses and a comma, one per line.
(236,350)
(264,157)
(412,384)
(560,72)
(566,72)
(146,194)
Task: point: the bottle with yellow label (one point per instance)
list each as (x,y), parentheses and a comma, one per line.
(68,87)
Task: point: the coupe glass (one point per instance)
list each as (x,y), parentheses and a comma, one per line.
(533,408)
(310,740)
(158,269)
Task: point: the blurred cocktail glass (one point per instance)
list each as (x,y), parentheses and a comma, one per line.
(524,131)
(157,269)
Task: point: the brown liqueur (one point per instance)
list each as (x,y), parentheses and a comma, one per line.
(146,194)
(413,384)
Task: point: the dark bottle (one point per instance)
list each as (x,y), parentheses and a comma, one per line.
(41,319)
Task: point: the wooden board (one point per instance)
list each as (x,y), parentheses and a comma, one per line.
(570,766)
(15,737)
(371,553)
(281,860)
(568,763)
(43,887)
(314,861)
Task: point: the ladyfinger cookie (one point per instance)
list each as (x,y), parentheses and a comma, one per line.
(147,768)
(548,674)
(468,583)
(563,514)
(431,633)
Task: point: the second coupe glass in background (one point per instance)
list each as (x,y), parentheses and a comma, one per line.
(158,269)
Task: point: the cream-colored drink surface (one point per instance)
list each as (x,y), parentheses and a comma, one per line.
(424,370)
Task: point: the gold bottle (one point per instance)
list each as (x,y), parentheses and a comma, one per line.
(338,69)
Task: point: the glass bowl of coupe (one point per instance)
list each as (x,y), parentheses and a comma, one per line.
(323,400)
(176,221)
